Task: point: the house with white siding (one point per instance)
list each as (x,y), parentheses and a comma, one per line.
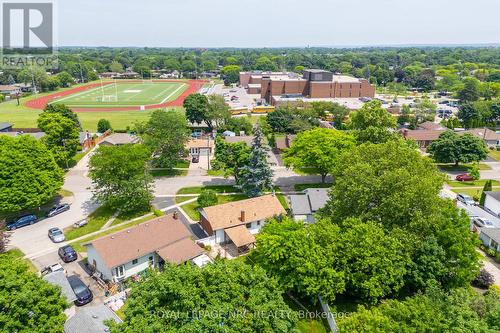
(151,244)
(492,202)
(238,221)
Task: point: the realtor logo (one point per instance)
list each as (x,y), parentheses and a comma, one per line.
(28,34)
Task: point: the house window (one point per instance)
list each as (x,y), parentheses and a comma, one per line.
(151,261)
(134,262)
(249,225)
(258,223)
(119,271)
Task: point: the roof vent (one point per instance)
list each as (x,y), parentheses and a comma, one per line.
(94,316)
(128,231)
(112,237)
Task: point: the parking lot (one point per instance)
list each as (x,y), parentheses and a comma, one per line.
(244,100)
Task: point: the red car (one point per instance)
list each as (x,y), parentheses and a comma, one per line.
(465,177)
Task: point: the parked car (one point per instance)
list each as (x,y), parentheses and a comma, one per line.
(464,177)
(483,223)
(52,268)
(195,159)
(56,235)
(80,224)
(233,90)
(22,221)
(58,209)
(466,199)
(67,253)
(82,292)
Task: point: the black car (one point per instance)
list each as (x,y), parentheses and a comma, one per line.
(195,159)
(57,210)
(67,253)
(22,221)
(82,292)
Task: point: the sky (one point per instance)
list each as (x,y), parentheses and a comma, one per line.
(276,23)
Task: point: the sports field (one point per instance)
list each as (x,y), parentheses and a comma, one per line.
(112,94)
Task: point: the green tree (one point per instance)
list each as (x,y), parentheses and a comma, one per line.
(474,171)
(280,119)
(121,177)
(207,198)
(372,123)
(460,310)
(227,295)
(303,258)
(116,67)
(64,111)
(29,176)
(257,175)
(231,157)
(487,187)
(103,125)
(238,124)
(338,112)
(196,107)
(29,303)
(217,114)
(231,73)
(470,90)
(61,136)
(316,151)
(451,147)
(166,134)
(65,79)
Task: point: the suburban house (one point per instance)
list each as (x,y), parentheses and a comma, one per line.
(492,202)
(237,222)
(202,147)
(59,279)
(36,135)
(429,125)
(6,127)
(85,140)
(491,138)
(422,137)
(90,319)
(9,90)
(118,139)
(490,238)
(151,244)
(304,206)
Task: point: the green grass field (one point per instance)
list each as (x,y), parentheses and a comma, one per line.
(24,117)
(125,94)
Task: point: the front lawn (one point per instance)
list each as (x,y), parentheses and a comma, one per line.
(192,208)
(216,188)
(461,167)
(476,183)
(95,222)
(282,200)
(469,191)
(168,173)
(179,200)
(494,154)
(302,187)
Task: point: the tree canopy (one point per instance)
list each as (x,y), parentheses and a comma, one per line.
(29,175)
(165,134)
(316,151)
(121,177)
(28,303)
(227,295)
(451,147)
(372,123)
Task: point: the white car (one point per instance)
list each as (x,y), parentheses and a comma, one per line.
(56,235)
(466,199)
(52,268)
(79,224)
(481,222)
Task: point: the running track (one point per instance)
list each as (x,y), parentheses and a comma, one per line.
(40,103)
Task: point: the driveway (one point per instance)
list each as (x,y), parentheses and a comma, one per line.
(33,240)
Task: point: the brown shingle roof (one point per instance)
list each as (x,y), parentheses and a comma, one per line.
(120,139)
(485,134)
(199,143)
(422,135)
(429,125)
(283,143)
(180,251)
(240,235)
(233,139)
(137,241)
(229,214)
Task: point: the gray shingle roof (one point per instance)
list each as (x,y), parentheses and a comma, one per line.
(90,319)
(492,233)
(59,279)
(494,194)
(4,126)
(318,197)
(300,205)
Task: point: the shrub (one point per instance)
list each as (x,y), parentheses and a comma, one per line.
(103,125)
(491,252)
(207,198)
(158,212)
(483,280)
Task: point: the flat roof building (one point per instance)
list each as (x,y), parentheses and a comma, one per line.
(314,83)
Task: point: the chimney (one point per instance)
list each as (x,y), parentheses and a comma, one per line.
(174,215)
(242,217)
